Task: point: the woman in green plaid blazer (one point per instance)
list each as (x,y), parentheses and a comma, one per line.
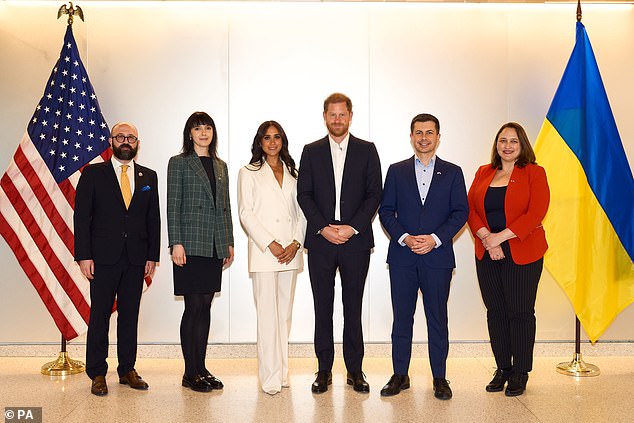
(200,239)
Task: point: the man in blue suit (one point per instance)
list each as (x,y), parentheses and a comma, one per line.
(424,205)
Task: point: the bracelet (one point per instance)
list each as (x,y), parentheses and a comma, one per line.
(297,244)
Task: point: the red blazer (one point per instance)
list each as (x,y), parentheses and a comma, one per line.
(525,205)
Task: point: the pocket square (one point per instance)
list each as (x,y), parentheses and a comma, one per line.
(146,188)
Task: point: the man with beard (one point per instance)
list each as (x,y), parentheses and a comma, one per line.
(339,190)
(117,241)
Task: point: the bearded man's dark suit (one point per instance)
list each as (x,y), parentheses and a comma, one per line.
(359,200)
(119,241)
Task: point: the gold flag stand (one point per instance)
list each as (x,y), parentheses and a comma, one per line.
(64,365)
(577,367)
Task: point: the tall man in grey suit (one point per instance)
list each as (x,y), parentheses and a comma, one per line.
(339,190)
(424,206)
(117,242)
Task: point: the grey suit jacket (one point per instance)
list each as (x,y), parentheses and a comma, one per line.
(195,219)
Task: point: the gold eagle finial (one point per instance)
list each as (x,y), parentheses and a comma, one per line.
(70,11)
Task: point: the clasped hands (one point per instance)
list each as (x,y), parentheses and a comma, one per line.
(283,255)
(420,244)
(491,242)
(337,234)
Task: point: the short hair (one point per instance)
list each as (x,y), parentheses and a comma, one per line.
(118,124)
(424,117)
(527,155)
(198,119)
(338,98)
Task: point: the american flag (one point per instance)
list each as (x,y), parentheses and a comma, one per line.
(37,195)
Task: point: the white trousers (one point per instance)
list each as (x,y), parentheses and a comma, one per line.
(273,293)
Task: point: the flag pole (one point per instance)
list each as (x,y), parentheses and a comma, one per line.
(64,365)
(577,367)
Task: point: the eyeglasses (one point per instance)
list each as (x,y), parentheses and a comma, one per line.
(130,139)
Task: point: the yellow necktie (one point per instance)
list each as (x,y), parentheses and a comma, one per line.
(125,186)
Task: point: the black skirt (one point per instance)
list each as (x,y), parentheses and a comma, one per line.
(201,275)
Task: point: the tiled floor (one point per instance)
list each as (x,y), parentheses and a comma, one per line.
(550,397)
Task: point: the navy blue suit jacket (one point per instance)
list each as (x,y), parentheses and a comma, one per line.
(360,192)
(445,211)
(103,226)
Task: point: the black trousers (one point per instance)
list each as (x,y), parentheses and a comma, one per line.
(509,291)
(123,281)
(353,269)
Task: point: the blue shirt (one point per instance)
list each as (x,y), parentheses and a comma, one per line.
(424,175)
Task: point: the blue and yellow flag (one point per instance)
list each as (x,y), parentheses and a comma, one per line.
(590,222)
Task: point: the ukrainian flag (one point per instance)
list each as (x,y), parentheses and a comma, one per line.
(589,225)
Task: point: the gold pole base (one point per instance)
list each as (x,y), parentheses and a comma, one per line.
(577,367)
(63,366)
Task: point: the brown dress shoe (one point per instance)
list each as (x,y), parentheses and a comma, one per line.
(99,386)
(133,379)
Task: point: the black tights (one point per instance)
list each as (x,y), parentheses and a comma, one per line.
(195,332)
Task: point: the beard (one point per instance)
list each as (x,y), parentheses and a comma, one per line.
(124,151)
(337,130)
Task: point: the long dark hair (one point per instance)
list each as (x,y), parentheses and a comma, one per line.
(199,119)
(257,154)
(526,156)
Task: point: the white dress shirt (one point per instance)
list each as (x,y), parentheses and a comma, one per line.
(338,152)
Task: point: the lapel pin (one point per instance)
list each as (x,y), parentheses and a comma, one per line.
(140,173)
(438,173)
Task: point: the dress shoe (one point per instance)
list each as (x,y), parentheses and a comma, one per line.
(441,388)
(197,383)
(500,377)
(213,381)
(517,384)
(323,379)
(99,386)
(357,380)
(396,384)
(133,379)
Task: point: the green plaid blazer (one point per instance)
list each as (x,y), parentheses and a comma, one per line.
(195,218)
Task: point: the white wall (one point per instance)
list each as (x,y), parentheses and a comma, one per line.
(475,66)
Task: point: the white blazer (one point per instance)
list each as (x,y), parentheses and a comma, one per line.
(269,213)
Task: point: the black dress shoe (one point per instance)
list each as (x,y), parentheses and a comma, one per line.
(213,381)
(517,384)
(99,386)
(441,389)
(197,383)
(500,377)
(396,384)
(323,379)
(357,380)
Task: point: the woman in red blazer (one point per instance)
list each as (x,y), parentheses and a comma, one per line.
(507,201)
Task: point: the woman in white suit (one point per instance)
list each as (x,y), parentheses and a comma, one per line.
(275,225)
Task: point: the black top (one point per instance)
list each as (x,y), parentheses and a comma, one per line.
(208,164)
(494,208)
